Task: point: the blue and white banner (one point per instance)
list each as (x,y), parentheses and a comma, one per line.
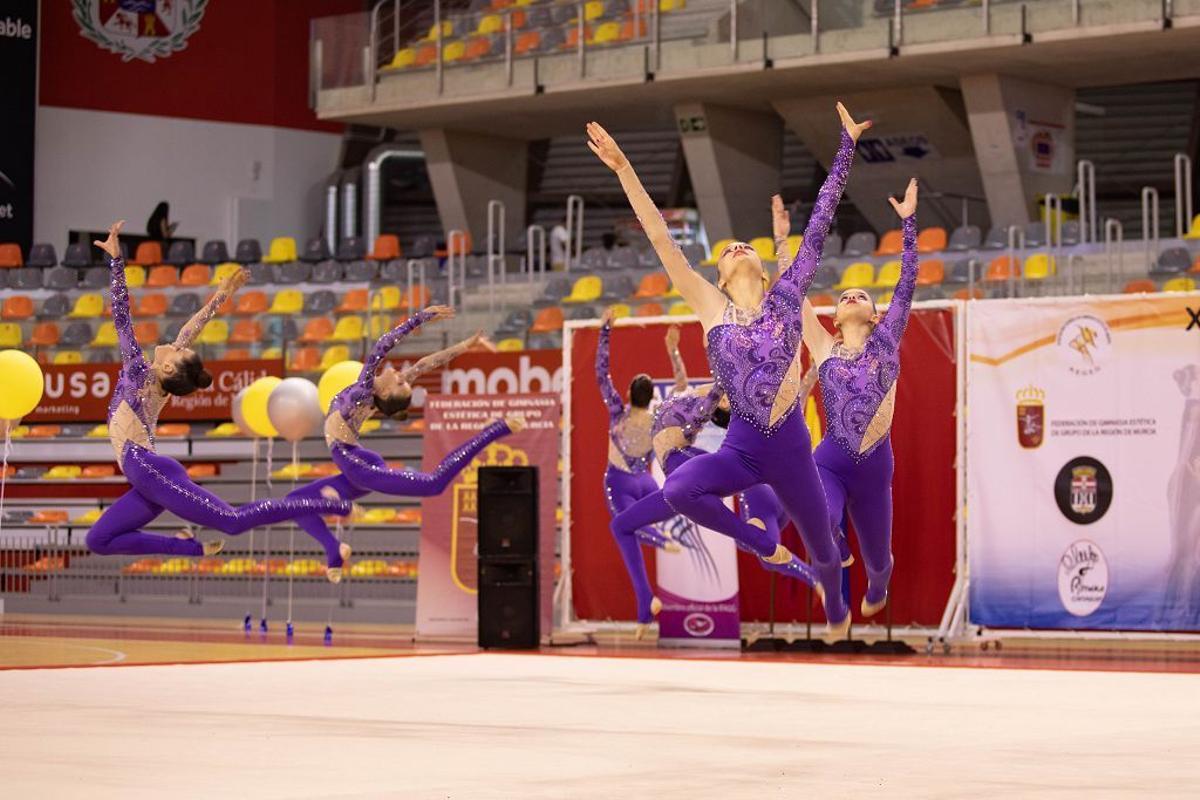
(1083,447)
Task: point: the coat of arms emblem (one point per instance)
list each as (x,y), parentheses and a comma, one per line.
(141,29)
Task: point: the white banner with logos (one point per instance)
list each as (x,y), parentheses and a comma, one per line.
(1083,446)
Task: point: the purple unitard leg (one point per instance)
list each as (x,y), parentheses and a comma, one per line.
(864,491)
(314,525)
(162,483)
(623,490)
(760,503)
(784,462)
(638,520)
(835,502)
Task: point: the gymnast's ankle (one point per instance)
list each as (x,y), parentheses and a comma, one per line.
(781,555)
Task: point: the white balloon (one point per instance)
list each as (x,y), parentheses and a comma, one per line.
(239,416)
(418,397)
(294,408)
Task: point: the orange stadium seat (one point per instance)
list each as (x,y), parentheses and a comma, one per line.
(10,256)
(387,247)
(477,48)
(148,254)
(17,307)
(147,333)
(930,272)
(892,243)
(236,354)
(306,359)
(44,431)
(823,299)
(426,55)
(153,304)
(45,334)
(173,430)
(246,331)
(1002,268)
(163,277)
(547,320)
(968,294)
(650,310)
(656,284)
(354,302)
(196,275)
(196,471)
(527,42)
(317,329)
(250,303)
(931,240)
(1144,285)
(98,471)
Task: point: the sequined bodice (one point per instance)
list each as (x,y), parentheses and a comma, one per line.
(688,412)
(629,439)
(751,362)
(136,386)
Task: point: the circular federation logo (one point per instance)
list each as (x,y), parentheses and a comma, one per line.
(1084,343)
(1082,578)
(1083,490)
(699,624)
(143,29)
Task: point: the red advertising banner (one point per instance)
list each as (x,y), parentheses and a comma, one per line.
(81,392)
(447,589)
(923,436)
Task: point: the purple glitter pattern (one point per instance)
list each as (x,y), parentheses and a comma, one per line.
(751,361)
(359,393)
(853,388)
(617,413)
(687,411)
(135,370)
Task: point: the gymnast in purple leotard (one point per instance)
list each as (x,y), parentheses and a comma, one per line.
(158,483)
(364,471)
(858,372)
(754,346)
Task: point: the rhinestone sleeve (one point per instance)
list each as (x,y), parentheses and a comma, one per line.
(134,369)
(359,393)
(612,398)
(891,327)
(191,330)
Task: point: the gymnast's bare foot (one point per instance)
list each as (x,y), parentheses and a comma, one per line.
(185,534)
(213,547)
(334,574)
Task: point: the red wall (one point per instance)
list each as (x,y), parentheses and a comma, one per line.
(247,63)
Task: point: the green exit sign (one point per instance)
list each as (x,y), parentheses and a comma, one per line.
(692,125)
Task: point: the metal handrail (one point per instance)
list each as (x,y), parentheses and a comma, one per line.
(495,248)
(574,230)
(1053,221)
(1071,259)
(1150,224)
(532,232)
(1114,245)
(1016,252)
(331,217)
(1183,194)
(419,264)
(456,288)
(1086,176)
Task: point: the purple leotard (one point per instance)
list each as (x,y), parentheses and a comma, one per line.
(158,483)
(363,470)
(751,362)
(856,471)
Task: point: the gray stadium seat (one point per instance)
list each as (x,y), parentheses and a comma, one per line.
(61,279)
(621,258)
(78,255)
(694,253)
(1070,232)
(832,247)
(350,248)
(594,258)
(617,288)
(292,272)
(997,239)
(860,244)
(1035,234)
(171,332)
(249,251)
(280,329)
(260,274)
(556,289)
(77,334)
(422,247)
(582,312)
(42,255)
(321,302)
(215,252)
(56,306)
(825,277)
(184,305)
(102,357)
(959,272)
(4,278)
(26,279)
(95,278)
(1172,261)
(180,254)
(965,237)
(316,250)
(326,272)
(362,271)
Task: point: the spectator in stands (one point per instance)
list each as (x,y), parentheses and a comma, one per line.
(159,227)
(560,243)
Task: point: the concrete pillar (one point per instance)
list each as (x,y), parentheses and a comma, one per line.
(919,131)
(734,159)
(1024,136)
(466,170)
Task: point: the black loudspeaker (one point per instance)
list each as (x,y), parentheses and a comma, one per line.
(508,603)
(508,512)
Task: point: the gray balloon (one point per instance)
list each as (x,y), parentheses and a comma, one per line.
(294,408)
(239,417)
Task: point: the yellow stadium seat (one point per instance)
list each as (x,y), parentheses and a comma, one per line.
(884,299)
(593,9)
(607,32)
(489,24)
(510,345)
(889,275)
(63,472)
(271,353)
(454,51)
(794,243)
(671,5)
(765,247)
(283,249)
(215,332)
(386,299)
(858,274)
(1180,284)
(370,426)
(717,248)
(98,432)
(10,335)
(288,301)
(135,277)
(1194,230)
(292,472)
(106,336)
(335,355)
(225,429)
(1039,266)
(68,357)
(223,271)
(404,58)
(88,306)
(680,310)
(380,324)
(447,31)
(349,329)
(585,290)
(621,310)
(88,517)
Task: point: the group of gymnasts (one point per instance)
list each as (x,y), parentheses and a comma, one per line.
(753,330)
(159,483)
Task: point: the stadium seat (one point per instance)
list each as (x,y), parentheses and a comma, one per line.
(655,284)
(196,275)
(1140,286)
(10,256)
(17,307)
(45,334)
(366,271)
(321,302)
(1001,268)
(305,359)
(859,244)
(404,58)
(223,271)
(63,472)
(10,335)
(966,237)
(387,298)
(1180,284)
(281,251)
(334,356)
(248,251)
(1172,261)
(1035,234)
(858,274)
(135,277)
(885,298)
(510,345)
(246,331)
(617,289)
(426,54)
(620,310)
(95,472)
(822,299)
(148,254)
(889,275)
(930,272)
(586,290)
(291,273)
(68,357)
(679,309)
(432,35)
(720,245)
(260,274)
(316,250)
(1040,266)
(106,336)
(287,301)
(147,334)
(997,239)
(1195,266)
(88,306)
(765,247)
(1194,229)
(649,310)
(95,278)
(59,279)
(931,240)
(891,243)
(162,277)
(25,279)
(326,272)
(350,248)
(317,329)
(527,42)
(272,353)
(349,329)
(353,302)
(547,320)
(608,32)
(180,254)
(418,298)
(78,255)
(42,256)
(387,247)
(250,303)
(214,252)
(184,305)
(969,294)
(215,332)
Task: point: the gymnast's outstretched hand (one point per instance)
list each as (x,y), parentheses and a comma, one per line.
(112,244)
(908,206)
(853,128)
(605,147)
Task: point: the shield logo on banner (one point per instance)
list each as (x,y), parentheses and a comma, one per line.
(1031,417)
(142,29)
(464,516)
(1083,490)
